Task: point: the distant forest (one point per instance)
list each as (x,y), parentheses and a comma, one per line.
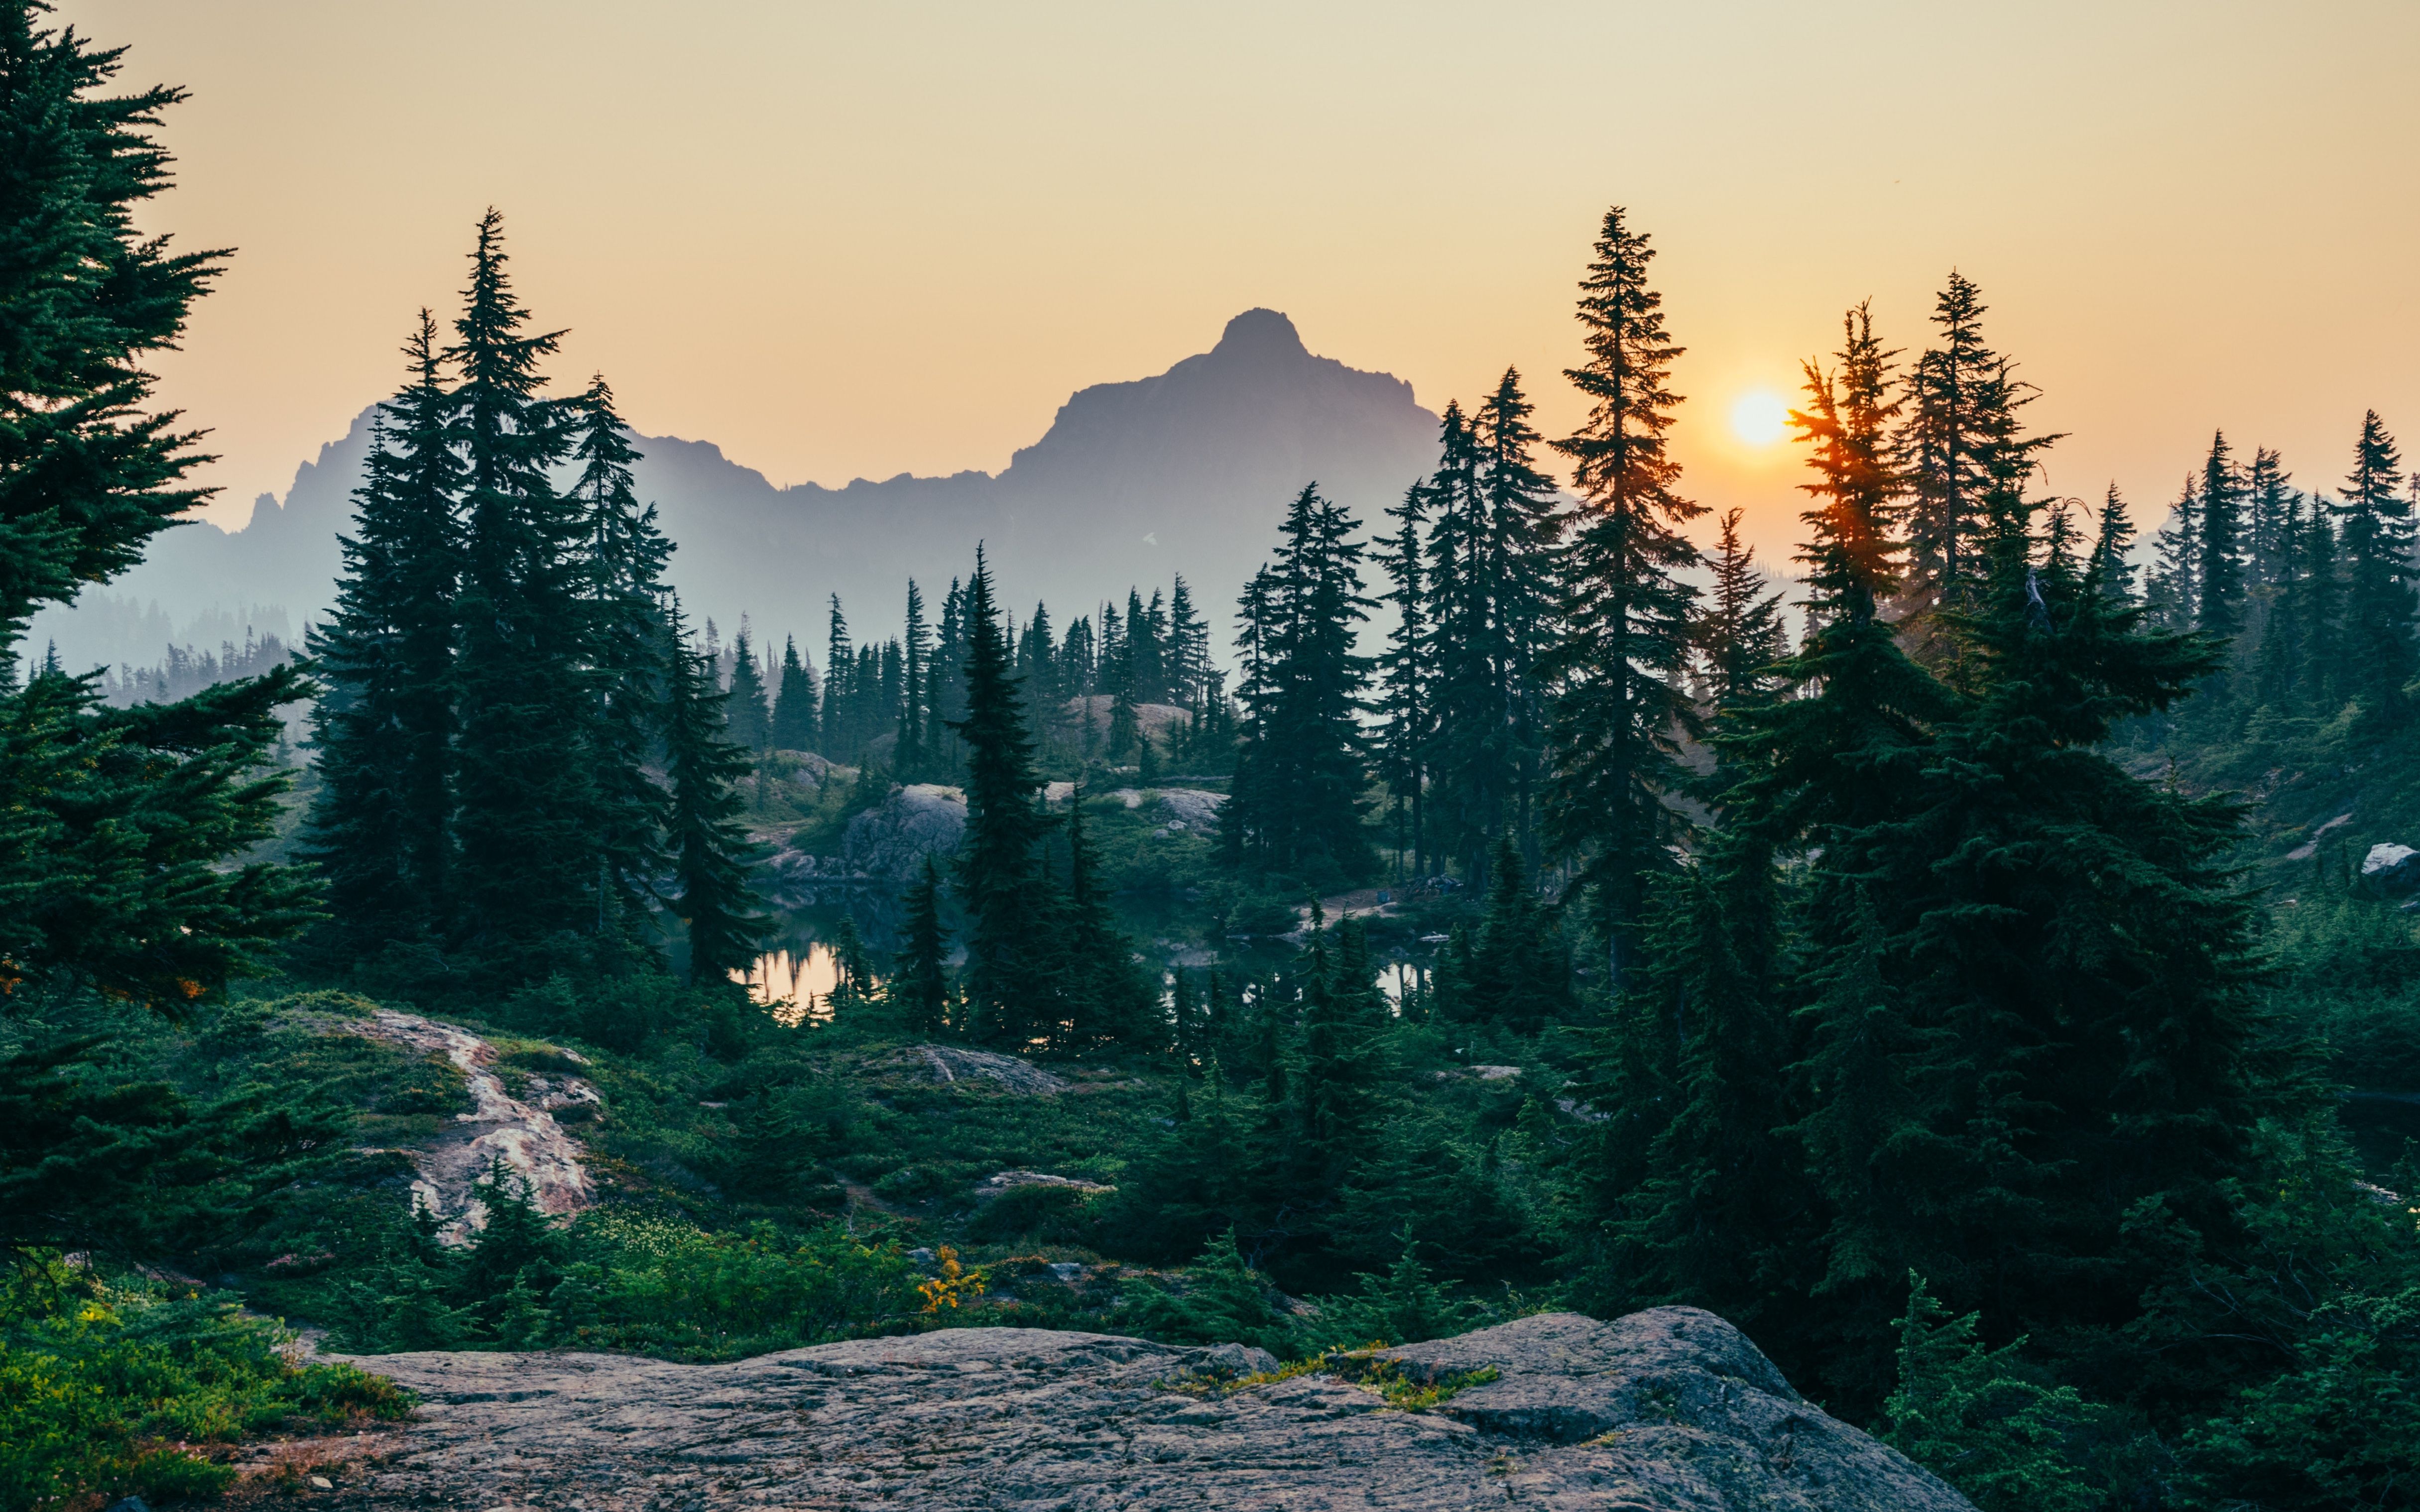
(1997,1000)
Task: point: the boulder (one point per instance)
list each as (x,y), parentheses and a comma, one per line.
(1192,807)
(1000,1184)
(1670,1409)
(2391,870)
(889,841)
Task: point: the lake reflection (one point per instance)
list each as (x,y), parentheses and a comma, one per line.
(796,985)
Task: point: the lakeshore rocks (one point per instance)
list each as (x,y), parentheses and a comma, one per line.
(1669,1408)
(891,840)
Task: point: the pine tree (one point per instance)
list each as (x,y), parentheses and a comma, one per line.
(1298,802)
(1740,633)
(794,700)
(1102,998)
(1188,646)
(2270,502)
(835,739)
(1405,678)
(384,725)
(116,826)
(1464,754)
(921,976)
(1617,709)
(2377,640)
(2112,564)
(711,854)
(2174,588)
(1516,973)
(1009,974)
(747,712)
(526,803)
(2222,537)
(915,667)
(2029,976)
(1689,1191)
(626,555)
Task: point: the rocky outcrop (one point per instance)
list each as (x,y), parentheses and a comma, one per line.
(2391,871)
(521,1132)
(948,1063)
(890,840)
(1668,1408)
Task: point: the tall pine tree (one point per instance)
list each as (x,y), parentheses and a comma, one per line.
(1618,712)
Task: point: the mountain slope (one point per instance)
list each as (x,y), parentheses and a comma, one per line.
(1189,470)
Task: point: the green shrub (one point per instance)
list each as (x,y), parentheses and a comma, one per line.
(1223,1301)
(108,1387)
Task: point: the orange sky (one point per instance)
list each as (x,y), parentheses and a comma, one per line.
(860,239)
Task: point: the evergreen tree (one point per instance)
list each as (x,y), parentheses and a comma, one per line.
(1617,709)
(836,740)
(1405,678)
(1188,646)
(711,854)
(921,976)
(2377,642)
(2112,564)
(747,712)
(794,700)
(915,666)
(1101,998)
(1695,1190)
(1523,535)
(1009,975)
(2174,591)
(1516,974)
(384,725)
(2221,539)
(116,826)
(1465,753)
(1297,803)
(1740,633)
(2270,519)
(526,801)
(626,552)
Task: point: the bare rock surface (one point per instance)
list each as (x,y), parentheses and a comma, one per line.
(949,1063)
(521,1132)
(1668,1408)
(891,840)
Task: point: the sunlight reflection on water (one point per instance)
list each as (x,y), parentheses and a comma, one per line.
(797,986)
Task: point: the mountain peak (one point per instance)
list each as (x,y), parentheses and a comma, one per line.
(1260,332)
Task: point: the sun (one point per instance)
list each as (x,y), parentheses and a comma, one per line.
(1758,417)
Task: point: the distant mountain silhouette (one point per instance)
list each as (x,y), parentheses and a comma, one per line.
(1187,471)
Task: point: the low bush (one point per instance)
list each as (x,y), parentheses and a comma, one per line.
(118,1386)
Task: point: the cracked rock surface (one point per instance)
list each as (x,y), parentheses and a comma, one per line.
(1665,1409)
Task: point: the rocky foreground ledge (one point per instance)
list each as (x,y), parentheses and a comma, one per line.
(1665,1409)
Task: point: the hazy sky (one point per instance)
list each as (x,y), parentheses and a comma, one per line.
(859,240)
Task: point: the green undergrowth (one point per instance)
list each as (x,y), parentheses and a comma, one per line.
(118,1385)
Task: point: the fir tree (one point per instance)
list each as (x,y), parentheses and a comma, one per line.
(794,700)
(1297,803)
(2174,591)
(747,712)
(921,976)
(1516,974)
(1617,710)
(526,801)
(711,854)
(116,826)
(1740,633)
(2112,564)
(1405,677)
(2377,642)
(384,727)
(835,739)
(1000,883)
(915,666)
(2220,598)
(626,552)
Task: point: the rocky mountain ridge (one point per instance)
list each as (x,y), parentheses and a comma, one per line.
(1189,470)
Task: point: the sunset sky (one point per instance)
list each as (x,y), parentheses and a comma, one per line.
(862,240)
